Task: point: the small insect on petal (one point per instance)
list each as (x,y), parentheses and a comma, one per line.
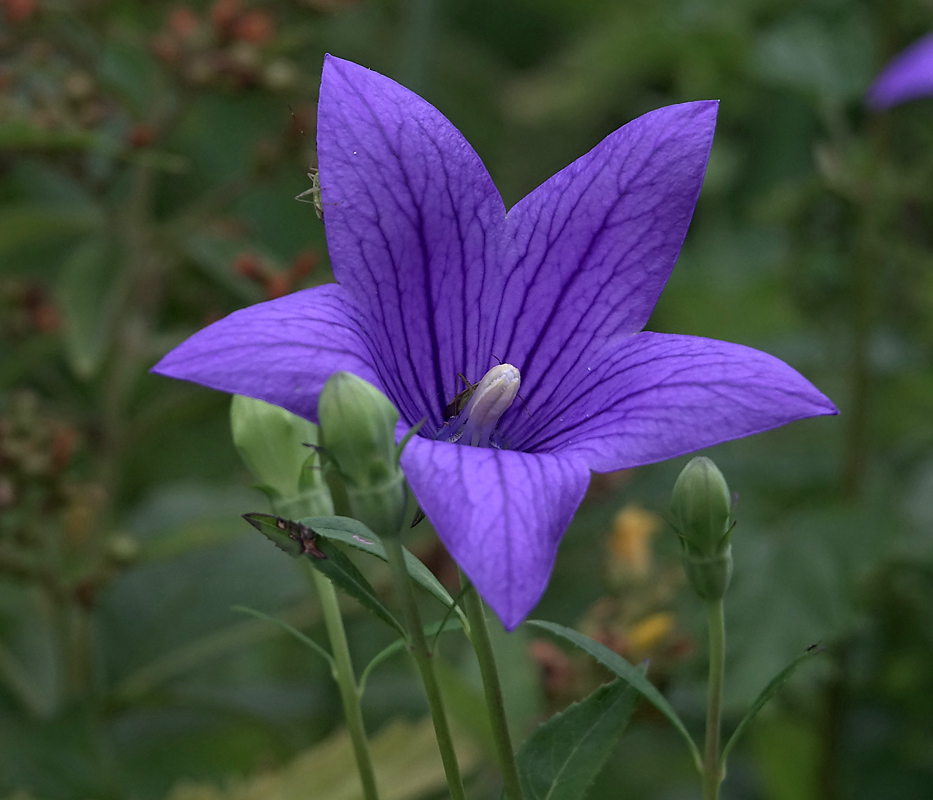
(314,193)
(455,406)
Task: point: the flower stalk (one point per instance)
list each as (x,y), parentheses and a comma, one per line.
(343,674)
(271,442)
(319,504)
(346,682)
(482,645)
(358,426)
(702,515)
(712,769)
(419,648)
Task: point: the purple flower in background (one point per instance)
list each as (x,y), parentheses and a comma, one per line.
(435,279)
(907,77)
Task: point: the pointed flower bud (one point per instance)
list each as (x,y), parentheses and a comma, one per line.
(702,513)
(273,444)
(358,425)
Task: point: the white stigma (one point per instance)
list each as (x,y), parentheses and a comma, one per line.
(493,396)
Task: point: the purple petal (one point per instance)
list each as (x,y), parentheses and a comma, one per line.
(411,217)
(281,351)
(501,515)
(655,396)
(907,77)
(591,249)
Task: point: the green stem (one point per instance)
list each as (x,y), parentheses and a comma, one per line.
(856,442)
(482,644)
(712,769)
(317,502)
(419,647)
(346,682)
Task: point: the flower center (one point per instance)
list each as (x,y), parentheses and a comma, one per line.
(491,398)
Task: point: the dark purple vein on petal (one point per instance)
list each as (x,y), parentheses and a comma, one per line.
(427,405)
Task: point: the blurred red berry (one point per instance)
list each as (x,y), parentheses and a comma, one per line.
(249,266)
(15,11)
(277,285)
(255,27)
(63,446)
(558,669)
(166,48)
(44,318)
(41,313)
(141,135)
(224,14)
(183,22)
(304,264)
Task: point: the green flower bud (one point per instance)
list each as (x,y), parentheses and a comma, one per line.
(358,426)
(273,444)
(701,508)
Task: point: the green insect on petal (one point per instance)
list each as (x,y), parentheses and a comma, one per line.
(315,194)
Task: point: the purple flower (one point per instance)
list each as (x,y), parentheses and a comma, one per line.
(907,77)
(435,279)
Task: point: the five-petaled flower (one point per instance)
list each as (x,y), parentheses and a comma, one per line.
(436,279)
(908,77)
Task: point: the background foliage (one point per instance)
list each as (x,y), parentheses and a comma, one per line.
(149,157)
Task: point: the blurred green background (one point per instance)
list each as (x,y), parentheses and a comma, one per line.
(150,154)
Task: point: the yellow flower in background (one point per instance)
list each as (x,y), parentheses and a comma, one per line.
(630,541)
(645,636)
(634,617)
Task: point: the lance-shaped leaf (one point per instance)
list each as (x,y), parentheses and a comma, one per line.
(293,631)
(299,540)
(434,630)
(562,757)
(766,694)
(89,288)
(625,670)
(354,533)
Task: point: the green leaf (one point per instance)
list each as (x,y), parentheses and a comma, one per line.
(766,694)
(355,534)
(32,669)
(89,289)
(297,539)
(562,757)
(628,672)
(33,236)
(213,254)
(307,640)
(127,69)
(24,135)
(826,60)
(454,607)
(435,629)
